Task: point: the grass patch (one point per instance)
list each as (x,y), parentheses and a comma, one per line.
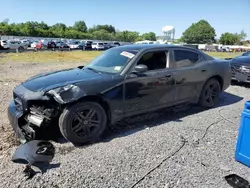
(73,56)
(51,57)
(224,54)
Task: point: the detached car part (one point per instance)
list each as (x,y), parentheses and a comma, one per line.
(33,153)
(236,181)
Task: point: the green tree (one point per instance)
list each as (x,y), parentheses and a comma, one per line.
(80,26)
(108,28)
(77,31)
(229,38)
(102,35)
(149,36)
(139,38)
(58,30)
(126,36)
(199,33)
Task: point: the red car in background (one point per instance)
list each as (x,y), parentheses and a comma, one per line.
(40,45)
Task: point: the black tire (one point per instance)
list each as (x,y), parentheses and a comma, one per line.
(76,114)
(20,49)
(210,94)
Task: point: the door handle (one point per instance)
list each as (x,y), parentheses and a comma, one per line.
(203,70)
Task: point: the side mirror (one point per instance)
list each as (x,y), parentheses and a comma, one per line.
(140,68)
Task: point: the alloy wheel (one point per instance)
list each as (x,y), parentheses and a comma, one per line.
(212,93)
(85,122)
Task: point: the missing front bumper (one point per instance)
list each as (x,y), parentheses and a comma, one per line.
(13,116)
(24,133)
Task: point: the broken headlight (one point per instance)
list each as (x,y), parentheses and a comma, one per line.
(64,94)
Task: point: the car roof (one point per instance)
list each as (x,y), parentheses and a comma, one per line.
(150,46)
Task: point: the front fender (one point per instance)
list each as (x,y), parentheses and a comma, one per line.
(68,96)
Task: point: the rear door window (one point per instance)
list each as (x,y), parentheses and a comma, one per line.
(184,58)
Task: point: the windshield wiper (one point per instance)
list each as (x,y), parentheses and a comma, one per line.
(93,70)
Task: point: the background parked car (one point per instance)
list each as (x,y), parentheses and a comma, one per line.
(15,44)
(51,45)
(77,45)
(4,45)
(41,45)
(106,45)
(240,67)
(33,44)
(114,44)
(98,46)
(82,46)
(88,45)
(61,45)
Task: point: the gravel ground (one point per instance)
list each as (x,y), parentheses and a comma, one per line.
(190,148)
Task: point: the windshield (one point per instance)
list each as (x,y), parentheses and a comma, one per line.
(112,61)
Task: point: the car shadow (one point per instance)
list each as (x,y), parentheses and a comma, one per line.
(44,167)
(146,121)
(138,123)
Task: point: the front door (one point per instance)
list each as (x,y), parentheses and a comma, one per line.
(151,89)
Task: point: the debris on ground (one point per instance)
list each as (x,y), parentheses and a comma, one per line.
(34,153)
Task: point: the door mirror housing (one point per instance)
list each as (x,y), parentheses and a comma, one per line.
(140,68)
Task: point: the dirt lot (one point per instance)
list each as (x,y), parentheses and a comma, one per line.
(147,151)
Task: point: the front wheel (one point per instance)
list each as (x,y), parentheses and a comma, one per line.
(210,94)
(83,122)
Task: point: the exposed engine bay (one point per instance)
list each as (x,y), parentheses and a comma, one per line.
(37,119)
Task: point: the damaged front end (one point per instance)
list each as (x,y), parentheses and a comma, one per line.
(34,115)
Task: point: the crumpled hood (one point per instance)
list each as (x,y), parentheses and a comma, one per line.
(51,80)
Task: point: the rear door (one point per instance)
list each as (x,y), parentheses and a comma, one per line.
(190,74)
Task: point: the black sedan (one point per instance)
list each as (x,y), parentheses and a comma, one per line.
(121,82)
(241,68)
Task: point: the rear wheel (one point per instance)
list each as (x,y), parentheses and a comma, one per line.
(210,94)
(83,122)
(20,49)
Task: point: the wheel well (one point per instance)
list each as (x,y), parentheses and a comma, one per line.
(219,79)
(99,100)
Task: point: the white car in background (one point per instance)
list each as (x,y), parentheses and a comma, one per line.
(4,45)
(74,45)
(16,44)
(98,46)
(33,44)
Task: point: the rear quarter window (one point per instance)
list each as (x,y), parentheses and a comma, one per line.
(185,58)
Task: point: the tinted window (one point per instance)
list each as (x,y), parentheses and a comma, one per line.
(154,60)
(185,58)
(100,43)
(94,43)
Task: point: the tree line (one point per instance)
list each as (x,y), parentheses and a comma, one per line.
(200,32)
(78,31)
